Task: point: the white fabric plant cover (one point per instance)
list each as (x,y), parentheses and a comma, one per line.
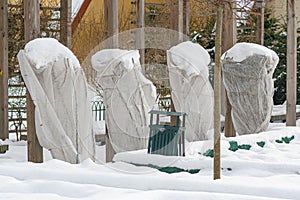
(128,97)
(58,88)
(247,76)
(192,92)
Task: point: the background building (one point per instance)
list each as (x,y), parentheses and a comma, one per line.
(279,9)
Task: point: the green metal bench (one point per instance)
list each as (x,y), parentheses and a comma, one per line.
(167,139)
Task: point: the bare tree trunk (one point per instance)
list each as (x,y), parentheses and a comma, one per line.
(217,92)
(32,31)
(291,64)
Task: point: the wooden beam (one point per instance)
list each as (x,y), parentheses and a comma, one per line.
(80,14)
(174,21)
(186,17)
(282,117)
(291,64)
(229,32)
(31,19)
(180,19)
(217,92)
(140,34)
(66,22)
(174,14)
(110,33)
(179,22)
(111,23)
(109,150)
(260,4)
(32,30)
(174,40)
(3,71)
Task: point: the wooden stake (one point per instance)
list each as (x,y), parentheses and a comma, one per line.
(66,22)
(32,30)
(3,72)
(217,93)
(229,32)
(110,29)
(291,64)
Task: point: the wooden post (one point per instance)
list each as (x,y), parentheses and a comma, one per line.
(111,23)
(174,14)
(186,17)
(174,21)
(217,93)
(66,22)
(32,30)
(177,19)
(3,72)
(140,34)
(291,81)
(260,4)
(229,32)
(110,29)
(180,20)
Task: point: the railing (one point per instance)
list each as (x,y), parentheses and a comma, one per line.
(17,107)
(164,103)
(98,110)
(18,123)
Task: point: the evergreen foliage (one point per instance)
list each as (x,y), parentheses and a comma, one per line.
(276,39)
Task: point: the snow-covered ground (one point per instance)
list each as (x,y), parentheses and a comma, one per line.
(269,172)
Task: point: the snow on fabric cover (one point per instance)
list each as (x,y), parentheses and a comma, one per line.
(58,88)
(192,92)
(42,51)
(128,97)
(247,75)
(243,50)
(112,58)
(192,55)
